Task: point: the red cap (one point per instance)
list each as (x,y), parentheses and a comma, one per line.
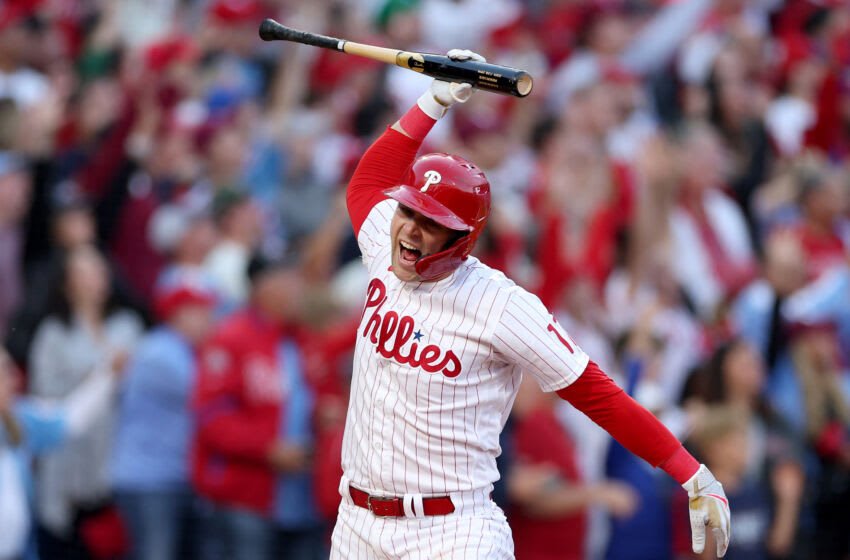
(185,290)
(12,11)
(235,12)
(160,55)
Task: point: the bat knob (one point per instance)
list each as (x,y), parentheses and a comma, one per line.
(270,30)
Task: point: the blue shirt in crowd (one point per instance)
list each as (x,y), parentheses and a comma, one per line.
(155,423)
(44,429)
(752,315)
(647,534)
(295,506)
(750,504)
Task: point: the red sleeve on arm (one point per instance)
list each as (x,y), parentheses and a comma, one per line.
(381,168)
(634,427)
(681,465)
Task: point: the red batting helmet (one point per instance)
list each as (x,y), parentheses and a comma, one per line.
(454,193)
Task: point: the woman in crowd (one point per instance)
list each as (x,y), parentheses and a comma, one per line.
(82,332)
(734,377)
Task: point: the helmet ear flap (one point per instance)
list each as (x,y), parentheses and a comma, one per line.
(447,260)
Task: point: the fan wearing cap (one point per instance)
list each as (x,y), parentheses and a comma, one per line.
(442,346)
(150,463)
(254,439)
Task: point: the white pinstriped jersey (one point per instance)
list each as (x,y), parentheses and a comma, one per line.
(436,370)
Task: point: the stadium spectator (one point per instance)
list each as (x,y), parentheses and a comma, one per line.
(722,439)
(581,201)
(827,417)
(253,448)
(647,355)
(737,95)
(823,231)
(83,331)
(550,499)
(72,225)
(155,425)
(757,317)
(185,236)
(240,228)
(19,47)
(734,377)
(826,301)
(712,255)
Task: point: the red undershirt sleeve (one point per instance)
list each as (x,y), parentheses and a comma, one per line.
(634,427)
(382,167)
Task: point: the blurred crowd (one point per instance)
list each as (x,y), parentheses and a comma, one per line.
(180,287)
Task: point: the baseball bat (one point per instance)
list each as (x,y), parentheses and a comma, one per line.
(490,77)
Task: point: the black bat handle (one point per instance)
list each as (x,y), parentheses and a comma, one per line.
(490,77)
(270,30)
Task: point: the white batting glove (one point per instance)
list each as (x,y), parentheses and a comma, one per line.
(441,94)
(708,506)
(464,54)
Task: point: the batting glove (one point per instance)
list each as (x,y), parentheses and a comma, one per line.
(442,95)
(708,506)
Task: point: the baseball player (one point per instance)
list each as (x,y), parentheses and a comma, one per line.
(441,348)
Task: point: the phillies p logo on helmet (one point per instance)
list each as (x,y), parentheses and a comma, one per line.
(431,178)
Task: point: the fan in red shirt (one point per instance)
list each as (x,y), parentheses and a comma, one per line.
(549,497)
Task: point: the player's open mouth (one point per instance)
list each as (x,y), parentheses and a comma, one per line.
(408,253)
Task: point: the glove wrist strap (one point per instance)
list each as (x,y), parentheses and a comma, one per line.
(430,106)
(699,481)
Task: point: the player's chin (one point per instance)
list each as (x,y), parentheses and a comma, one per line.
(404,271)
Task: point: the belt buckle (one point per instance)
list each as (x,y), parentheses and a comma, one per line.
(371,508)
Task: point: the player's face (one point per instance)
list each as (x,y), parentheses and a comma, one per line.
(414,236)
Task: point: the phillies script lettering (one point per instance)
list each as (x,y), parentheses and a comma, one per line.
(389,332)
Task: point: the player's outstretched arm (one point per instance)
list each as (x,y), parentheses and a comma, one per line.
(639,431)
(529,336)
(386,160)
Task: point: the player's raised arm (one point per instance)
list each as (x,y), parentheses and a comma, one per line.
(384,163)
